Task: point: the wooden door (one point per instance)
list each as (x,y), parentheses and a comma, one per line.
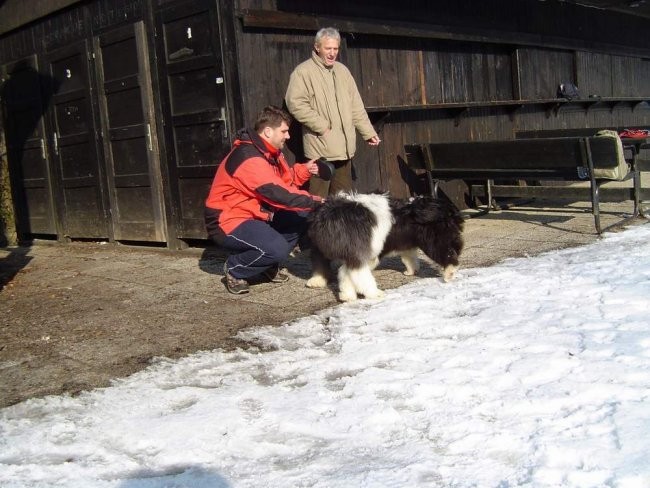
(194,104)
(25,93)
(82,196)
(129,134)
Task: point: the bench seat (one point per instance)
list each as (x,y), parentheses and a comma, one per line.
(569,159)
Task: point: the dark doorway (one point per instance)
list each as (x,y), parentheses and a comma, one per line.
(129,128)
(26,94)
(192,75)
(82,199)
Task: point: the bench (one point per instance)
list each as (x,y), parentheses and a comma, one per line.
(568,159)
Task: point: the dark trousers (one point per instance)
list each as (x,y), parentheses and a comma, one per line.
(342,180)
(257,245)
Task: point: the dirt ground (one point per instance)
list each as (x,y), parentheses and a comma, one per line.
(78,316)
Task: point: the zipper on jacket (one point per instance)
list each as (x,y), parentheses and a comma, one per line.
(338,108)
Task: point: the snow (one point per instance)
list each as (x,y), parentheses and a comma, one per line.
(534,372)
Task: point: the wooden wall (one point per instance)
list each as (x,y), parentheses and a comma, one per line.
(427,71)
(412,78)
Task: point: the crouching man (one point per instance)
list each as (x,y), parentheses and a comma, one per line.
(255,208)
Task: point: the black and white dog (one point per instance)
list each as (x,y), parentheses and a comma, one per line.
(360,229)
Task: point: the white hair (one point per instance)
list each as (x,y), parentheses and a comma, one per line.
(329,32)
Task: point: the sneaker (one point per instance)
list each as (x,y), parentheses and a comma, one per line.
(275,275)
(234,285)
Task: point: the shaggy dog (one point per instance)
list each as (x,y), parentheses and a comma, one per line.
(360,229)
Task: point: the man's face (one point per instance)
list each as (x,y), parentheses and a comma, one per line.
(327,50)
(278,136)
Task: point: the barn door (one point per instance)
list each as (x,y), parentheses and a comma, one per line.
(129,130)
(24,105)
(194,100)
(74,145)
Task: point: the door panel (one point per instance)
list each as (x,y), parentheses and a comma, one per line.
(194,101)
(25,95)
(75,150)
(133,163)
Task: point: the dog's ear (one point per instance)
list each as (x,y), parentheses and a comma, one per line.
(426,209)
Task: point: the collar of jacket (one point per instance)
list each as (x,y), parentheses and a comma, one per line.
(317,59)
(249,136)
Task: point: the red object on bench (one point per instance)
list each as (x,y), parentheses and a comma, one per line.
(634,133)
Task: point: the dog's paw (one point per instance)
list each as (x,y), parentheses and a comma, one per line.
(375,294)
(316,282)
(347,297)
(411,262)
(449,273)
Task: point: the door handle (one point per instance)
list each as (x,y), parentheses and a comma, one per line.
(224,130)
(56,143)
(149,143)
(43,155)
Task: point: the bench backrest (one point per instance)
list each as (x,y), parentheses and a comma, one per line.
(562,157)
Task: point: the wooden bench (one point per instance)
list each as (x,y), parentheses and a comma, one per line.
(568,159)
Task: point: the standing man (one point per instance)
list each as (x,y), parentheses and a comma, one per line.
(255,208)
(323,96)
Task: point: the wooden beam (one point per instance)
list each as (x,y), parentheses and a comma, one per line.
(516,75)
(273,19)
(423,84)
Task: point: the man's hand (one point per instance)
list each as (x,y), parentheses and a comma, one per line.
(312,167)
(374,141)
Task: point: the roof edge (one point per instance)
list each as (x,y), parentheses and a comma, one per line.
(17,13)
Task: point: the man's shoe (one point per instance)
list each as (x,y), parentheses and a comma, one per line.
(234,285)
(275,275)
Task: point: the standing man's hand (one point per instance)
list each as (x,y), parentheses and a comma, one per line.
(374,141)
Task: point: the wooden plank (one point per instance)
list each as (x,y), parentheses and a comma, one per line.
(607,194)
(271,19)
(469,104)
(543,70)
(556,157)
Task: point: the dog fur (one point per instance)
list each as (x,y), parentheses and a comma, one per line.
(360,229)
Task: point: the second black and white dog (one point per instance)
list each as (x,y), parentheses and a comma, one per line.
(359,229)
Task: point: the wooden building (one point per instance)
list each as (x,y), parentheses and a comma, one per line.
(117,112)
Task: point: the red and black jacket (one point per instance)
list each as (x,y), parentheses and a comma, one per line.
(252,182)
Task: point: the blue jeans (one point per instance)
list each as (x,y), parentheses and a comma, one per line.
(257,245)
